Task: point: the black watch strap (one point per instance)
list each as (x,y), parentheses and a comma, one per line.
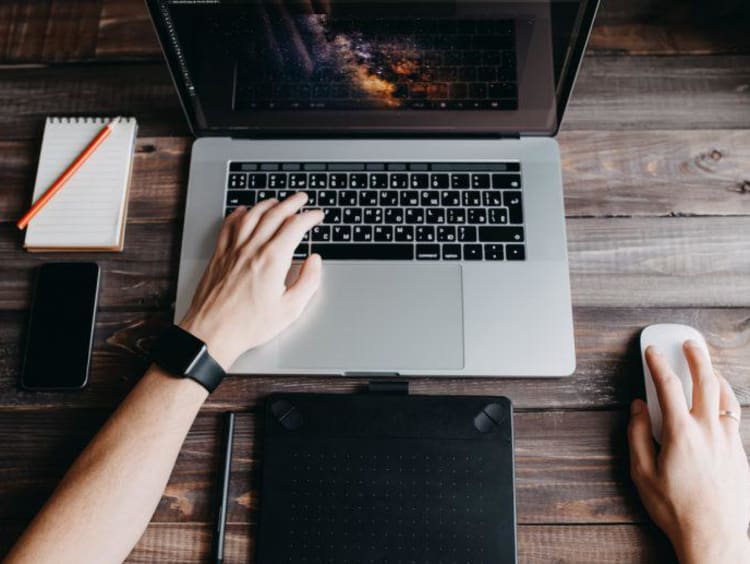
(207,372)
(182,354)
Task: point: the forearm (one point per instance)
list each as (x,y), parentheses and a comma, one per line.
(106,499)
(717,550)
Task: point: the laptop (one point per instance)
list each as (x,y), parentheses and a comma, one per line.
(425,131)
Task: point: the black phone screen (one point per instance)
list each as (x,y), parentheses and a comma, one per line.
(58,346)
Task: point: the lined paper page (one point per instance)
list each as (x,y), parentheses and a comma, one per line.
(89,211)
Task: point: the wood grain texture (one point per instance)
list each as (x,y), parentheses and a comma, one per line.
(605,174)
(48,30)
(612,92)
(537,544)
(608,373)
(571,466)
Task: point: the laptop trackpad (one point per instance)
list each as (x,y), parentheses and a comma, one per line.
(380,318)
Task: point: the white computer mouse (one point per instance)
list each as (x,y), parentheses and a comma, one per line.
(667,339)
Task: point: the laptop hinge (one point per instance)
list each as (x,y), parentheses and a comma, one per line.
(388,387)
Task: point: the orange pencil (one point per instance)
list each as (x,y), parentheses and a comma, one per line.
(69,172)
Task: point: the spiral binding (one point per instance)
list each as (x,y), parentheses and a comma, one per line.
(96,120)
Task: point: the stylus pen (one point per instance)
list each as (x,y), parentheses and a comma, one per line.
(221,512)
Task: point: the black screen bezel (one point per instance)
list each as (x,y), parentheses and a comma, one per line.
(567,81)
(66,377)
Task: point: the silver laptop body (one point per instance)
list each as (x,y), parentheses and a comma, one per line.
(408,317)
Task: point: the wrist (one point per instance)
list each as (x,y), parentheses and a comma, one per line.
(214,344)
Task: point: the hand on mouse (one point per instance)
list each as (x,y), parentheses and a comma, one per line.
(697,487)
(242,300)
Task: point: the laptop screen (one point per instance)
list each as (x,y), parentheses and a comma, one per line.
(329,66)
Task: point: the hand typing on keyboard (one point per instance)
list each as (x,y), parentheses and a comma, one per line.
(242,300)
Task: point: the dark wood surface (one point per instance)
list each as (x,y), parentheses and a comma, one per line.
(656,157)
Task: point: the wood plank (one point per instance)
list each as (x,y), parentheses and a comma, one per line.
(571,466)
(608,372)
(582,544)
(605,174)
(48,30)
(633,262)
(612,92)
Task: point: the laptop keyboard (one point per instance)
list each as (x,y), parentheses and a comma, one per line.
(396,211)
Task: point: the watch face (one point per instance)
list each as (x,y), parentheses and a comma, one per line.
(177,350)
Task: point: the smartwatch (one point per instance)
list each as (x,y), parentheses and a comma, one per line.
(184,355)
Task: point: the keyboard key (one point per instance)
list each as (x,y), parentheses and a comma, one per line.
(515,252)
(337,180)
(383,233)
(352,215)
(373,215)
(256,180)
(472,252)
(439,181)
(347,198)
(477,216)
(450,198)
(408,198)
(459,180)
(298,180)
(389,198)
(265,195)
(451,252)
(480,180)
(312,198)
(467,233)
(498,216)
(331,215)
(428,252)
(362,233)
(456,215)
(471,198)
(237,180)
(429,198)
(327,198)
(425,233)
(368,198)
(284,194)
(365,251)
(399,180)
(414,215)
(506,181)
(419,180)
(512,201)
(240,198)
(358,180)
(493,252)
(394,215)
(342,233)
(321,233)
(491,199)
(277,180)
(320,180)
(379,180)
(500,234)
(404,233)
(434,215)
(302,251)
(446,234)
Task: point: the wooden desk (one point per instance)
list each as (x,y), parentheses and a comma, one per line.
(656,150)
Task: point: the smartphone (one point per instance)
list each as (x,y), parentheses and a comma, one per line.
(61,327)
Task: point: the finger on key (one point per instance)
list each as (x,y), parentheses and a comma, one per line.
(273,219)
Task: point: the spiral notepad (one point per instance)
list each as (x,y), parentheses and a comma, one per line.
(88,214)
